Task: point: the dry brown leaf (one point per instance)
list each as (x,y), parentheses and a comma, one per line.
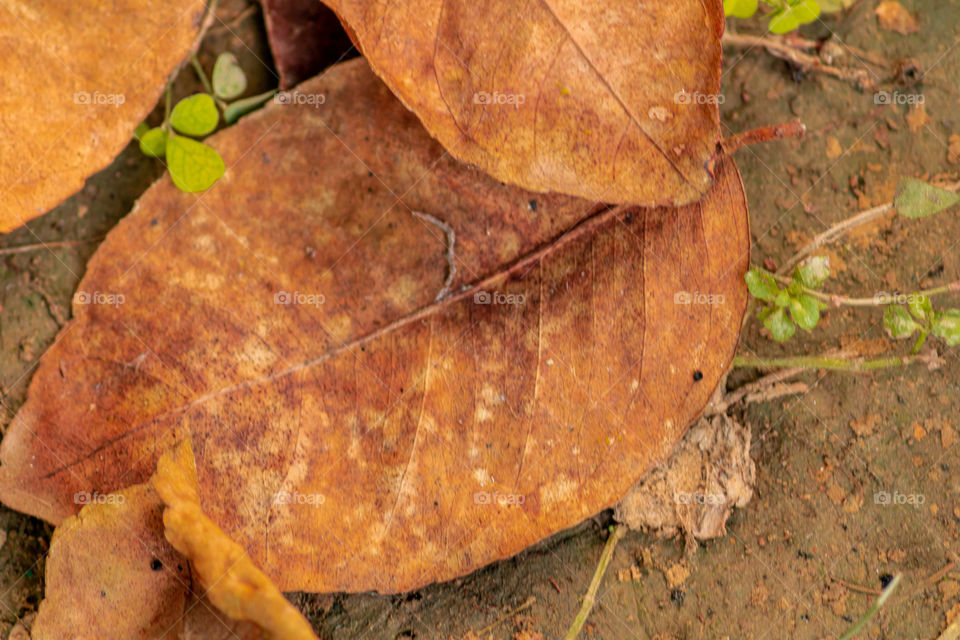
(613,101)
(229,579)
(305,38)
(892,16)
(110,575)
(344,419)
(102,73)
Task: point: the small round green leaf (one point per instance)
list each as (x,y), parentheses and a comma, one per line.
(946,325)
(229,81)
(141,129)
(761,285)
(917,199)
(153,142)
(782,21)
(805,311)
(920,306)
(195,115)
(780,326)
(739,8)
(898,322)
(193,165)
(805,10)
(813,271)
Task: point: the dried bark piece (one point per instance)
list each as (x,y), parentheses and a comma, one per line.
(102,73)
(229,579)
(611,101)
(343,419)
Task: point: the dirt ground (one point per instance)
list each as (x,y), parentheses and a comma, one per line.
(801,560)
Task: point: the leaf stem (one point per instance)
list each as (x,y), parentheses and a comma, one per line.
(166,107)
(590,597)
(877,300)
(201,74)
(835,362)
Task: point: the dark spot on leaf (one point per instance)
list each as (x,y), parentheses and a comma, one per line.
(156,565)
(697,375)
(533,205)
(677,597)
(885,580)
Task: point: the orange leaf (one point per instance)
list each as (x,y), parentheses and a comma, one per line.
(355,427)
(610,101)
(77,80)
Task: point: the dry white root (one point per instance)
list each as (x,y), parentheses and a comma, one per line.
(709,474)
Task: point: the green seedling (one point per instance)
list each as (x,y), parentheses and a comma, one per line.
(793,305)
(788,303)
(193,165)
(787,15)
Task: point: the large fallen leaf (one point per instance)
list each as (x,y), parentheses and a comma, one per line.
(351,431)
(112,575)
(75,80)
(611,100)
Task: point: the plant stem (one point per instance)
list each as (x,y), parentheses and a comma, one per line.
(166,107)
(845,226)
(590,597)
(872,611)
(834,362)
(201,74)
(838,300)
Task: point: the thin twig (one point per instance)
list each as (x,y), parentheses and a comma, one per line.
(805,61)
(845,226)
(836,363)
(857,588)
(449,254)
(768,381)
(616,532)
(526,605)
(876,300)
(45,245)
(791,129)
(872,611)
